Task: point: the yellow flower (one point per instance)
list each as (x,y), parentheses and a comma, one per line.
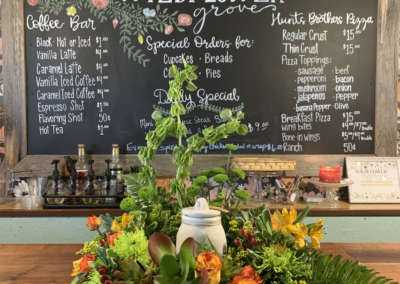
(76,267)
(299,236)
(125,220)
(140,39)
(285,221)
(71,11)
(115,226)
(316,233)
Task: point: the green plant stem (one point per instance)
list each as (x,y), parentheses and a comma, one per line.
(237,204)
(227,164)
(209,193)
(202,190)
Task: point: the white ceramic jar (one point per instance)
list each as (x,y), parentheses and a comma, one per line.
(199,222)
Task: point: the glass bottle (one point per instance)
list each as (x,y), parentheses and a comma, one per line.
(116,168)
(91,186)
(109,185)
(56,186)
(82,165)
(72,184)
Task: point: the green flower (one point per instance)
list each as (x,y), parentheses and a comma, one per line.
(128,204)
(221,196)
(217,171)
(133,245)
(216,203)
(135,213)
(238,173)
(146,193)
(193,191)
(93,277)
(220,178)
(200,180)
(242,195)
(231,147)
(207,174)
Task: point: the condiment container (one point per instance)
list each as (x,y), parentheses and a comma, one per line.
(199,222)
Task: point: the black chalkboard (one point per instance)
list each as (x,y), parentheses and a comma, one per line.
(303,71)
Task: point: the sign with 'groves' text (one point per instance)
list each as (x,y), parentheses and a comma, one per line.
(302,71)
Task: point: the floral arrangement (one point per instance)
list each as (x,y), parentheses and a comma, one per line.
(262,248)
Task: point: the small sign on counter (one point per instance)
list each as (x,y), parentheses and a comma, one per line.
(376,180)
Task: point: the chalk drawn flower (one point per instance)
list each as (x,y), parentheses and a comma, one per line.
(115,23)
(149,13)
(140,39)
(168,30)
(100,3)
(71,11)
(184,20)
(33,2)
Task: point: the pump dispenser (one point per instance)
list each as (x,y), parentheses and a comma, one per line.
(56,186)
(91,186)
(109,186)
(72,184)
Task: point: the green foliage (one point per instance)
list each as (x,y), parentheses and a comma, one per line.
(242,195)
(128,204)
(171,226)
(207,174)
(200,180)
(220,178)
(146,193)
(231,147)
(238,173)
(221,196)
(329,270)
(281,265)
(193,191)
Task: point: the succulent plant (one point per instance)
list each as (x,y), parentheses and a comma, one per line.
(162,252)
(132,273)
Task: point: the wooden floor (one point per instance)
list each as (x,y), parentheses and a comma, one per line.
(34,264)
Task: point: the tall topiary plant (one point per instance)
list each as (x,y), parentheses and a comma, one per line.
(172,125)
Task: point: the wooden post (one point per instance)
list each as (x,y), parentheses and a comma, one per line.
(386,78)
(15,129)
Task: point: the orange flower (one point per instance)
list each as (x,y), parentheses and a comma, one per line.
(83,265)
(93,223)
(110,238)
(212,262)
(243,280)
(279,247)
(274,224)
(251,273)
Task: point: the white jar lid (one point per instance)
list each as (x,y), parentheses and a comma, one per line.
(200,210)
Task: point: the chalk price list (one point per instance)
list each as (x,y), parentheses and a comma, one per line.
(101,78)
(313,104)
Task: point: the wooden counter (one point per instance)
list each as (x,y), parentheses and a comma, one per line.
(36,264)
(13,209)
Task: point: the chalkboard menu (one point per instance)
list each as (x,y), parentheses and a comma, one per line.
(302,71)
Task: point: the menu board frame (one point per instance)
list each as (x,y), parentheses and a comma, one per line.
(15,102)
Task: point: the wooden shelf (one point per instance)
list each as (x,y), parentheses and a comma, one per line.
(13,209)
